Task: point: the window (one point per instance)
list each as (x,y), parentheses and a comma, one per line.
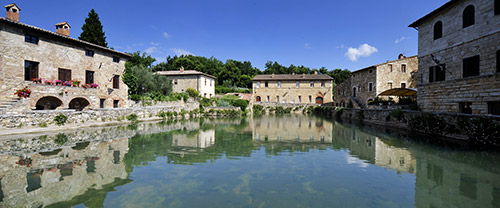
(31,39)
(312,84)
(268,99)
(494,108)
(30,70)
(297,84)
(115,103)
(64,74)
(465,107)
(279,84)
(277,99)
(266,84)
(403,85)
(175,81)
(310,99)
(300,99)
(403,68)
(323,84)
(205,95)
(390,85)
(210,83)
(437,73)
(498,61)
(257,99)
(370,86)
(390,67)
(471,66)
(468,18)
(89,77)
(89,53)
(116,59)
(116,81)
(205,82)
(101,103)
(258,85)
(438,30)
(497,7)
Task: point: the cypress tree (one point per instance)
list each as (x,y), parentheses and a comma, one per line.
(92,31)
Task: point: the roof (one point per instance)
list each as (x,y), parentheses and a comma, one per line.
(243,96)
(63,23)
(12,5)
(61,37)
(183,73)
(374,66)
(296,77)
(399,92)
(431,14)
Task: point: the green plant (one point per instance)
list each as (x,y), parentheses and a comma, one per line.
(61,139)
(162,114)
(60,119)
(242,104)
(258,110)
(43,124)
(397,113)
(192,92)
(427,123)
(132,117)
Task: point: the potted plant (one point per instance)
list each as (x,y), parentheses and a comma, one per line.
(24,93)
(37,80)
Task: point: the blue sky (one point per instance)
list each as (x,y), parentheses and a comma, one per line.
(313,33)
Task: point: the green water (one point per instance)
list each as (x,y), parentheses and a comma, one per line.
(289,161)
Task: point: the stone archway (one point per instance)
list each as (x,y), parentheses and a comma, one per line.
(48,103)
(78,104)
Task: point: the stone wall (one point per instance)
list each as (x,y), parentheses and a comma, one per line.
(343,93)
(482,38)
(289,93)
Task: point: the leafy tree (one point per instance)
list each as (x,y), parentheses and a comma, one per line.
(92,31)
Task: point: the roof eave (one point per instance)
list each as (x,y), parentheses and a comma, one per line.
(427,16)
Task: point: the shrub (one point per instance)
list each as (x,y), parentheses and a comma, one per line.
(192,92)
(61,139)
(132,117)
(60,119)
(258,110)
(242,104)
(162,114)
(397,113)
(428,123)
(43,125)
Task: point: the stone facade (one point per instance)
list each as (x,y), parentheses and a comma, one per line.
(459,64)
(184,79)
(293,89)
(298,129)
(366,84)
(50,53)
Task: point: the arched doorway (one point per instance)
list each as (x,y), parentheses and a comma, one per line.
(78,104)
(319,100)
(354,91)
(48,103)
(257,99)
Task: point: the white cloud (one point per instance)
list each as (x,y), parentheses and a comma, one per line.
(341,46)
(353,160)
(363,51)
(151,50)
(166,35)
(307,46)
(155,44)
(399,40)
(179,51)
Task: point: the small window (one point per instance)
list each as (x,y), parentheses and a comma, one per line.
(64,74)
(471,66)
(403,68)
(116,81)
(31,39)
(89,53)
(277,99)
(258,84)
(390,85)
(257,99)
(310,99)
(297,85)
(497,7)
(300,99)
(30,70)
(498,61)
(116,59)
(437,73)
(205,82)
(312,84)
(279,84)
(468,18)
(323,84)
(268,99)
(370,86)
(438,30)
(403,85)
(101,103)
(494,108)
(370,71)
(210,84)
(465,107)
(116,103)
(89,77)
(390,67)
(266,84)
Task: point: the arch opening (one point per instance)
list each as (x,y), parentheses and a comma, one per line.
(78,104)
(48,103)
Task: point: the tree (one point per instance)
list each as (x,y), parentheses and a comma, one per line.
(92,31)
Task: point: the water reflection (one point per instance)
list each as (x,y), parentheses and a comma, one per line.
(270,161)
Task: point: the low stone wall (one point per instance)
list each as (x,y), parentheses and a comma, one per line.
(474,128)
(46,117)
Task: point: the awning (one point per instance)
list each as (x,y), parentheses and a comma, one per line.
(399,92)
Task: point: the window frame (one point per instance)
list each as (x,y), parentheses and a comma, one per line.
(435,76)
(403,85)
(465,107)
(468,16)
(466,65)
(31,39)
(494,108)
(64,74)
(370,87)
(498,60)
(87,79)
(297,84)
(438,31)
(403,68)
(312,84)
(30,72)
(497,7)
(89,53)
(116,81)
(116,59)
(279,84)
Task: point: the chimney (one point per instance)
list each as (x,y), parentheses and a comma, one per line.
(401,56)
(315,72)
(13,12)
(182,69)
(62,28)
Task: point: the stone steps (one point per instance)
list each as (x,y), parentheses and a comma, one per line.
(8,102)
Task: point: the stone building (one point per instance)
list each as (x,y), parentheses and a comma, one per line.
(367,83)
(459,56)
(184,79)
(28,53)
(293,88)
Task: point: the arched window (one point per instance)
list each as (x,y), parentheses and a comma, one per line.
(468,16)
(438,30)
(497,7)
(257,99)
